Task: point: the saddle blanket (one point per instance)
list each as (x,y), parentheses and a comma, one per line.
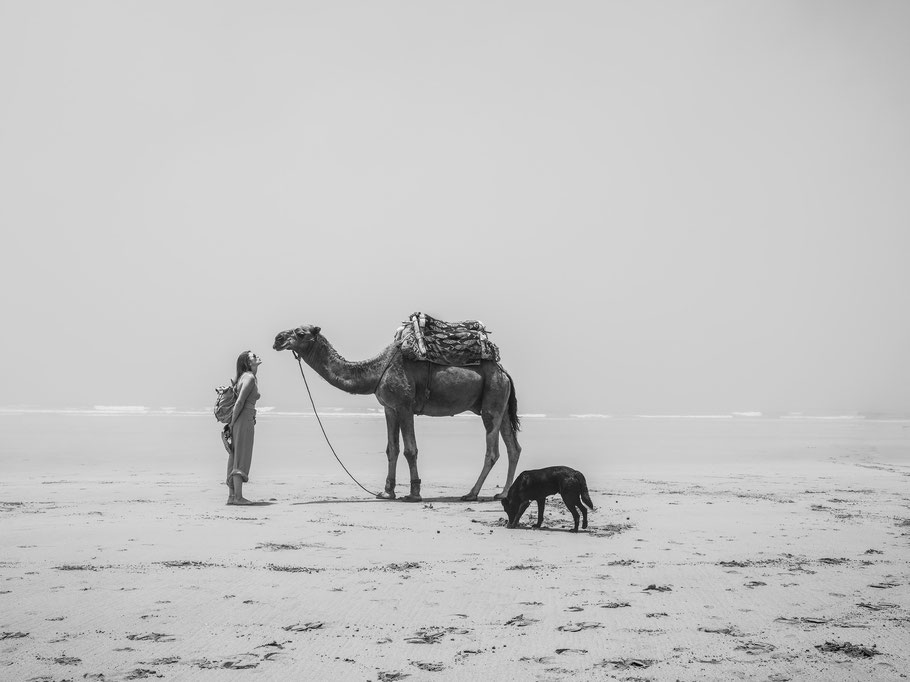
(427,339)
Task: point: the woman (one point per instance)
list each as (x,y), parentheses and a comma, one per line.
(243,421)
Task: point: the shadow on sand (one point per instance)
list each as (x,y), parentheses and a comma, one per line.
(425,500)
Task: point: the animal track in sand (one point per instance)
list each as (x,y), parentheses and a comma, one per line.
(279,546)
(615,605)
(429,667)
(293,569)
(578,627)
(140,674)
(803,620)
(626,663)
(881,606)
(12,635)
(434,635)
(167,660)
(521,621)
(756,648)
(853,650)
(392,676)
(730,630)
(304,627)
(62,660)
(153,637)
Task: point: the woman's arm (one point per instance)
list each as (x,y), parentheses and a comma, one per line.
(243,391)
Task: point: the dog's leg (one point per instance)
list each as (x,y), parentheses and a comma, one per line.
(541,501)
(572,500)
(522,508)
(584,516)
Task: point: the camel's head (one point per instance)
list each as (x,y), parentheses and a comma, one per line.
(299,340)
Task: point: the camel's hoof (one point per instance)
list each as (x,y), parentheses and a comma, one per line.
(469,498)
(412,498)
(385,496)
(499,496)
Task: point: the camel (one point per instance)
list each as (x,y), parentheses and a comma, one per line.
(407,387)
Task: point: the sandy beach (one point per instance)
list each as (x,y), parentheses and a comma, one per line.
(777,552)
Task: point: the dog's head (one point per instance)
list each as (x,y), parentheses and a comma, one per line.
(511,504)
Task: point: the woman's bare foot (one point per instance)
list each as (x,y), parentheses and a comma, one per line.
(230,499)
(240,501)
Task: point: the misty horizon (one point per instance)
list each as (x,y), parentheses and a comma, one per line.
(665,208)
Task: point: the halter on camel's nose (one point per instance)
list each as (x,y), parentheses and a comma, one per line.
(280,341)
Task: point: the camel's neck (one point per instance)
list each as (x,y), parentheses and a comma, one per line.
(353,377)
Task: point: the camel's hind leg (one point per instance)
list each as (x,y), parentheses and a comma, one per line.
(392,449)
(491,422)
(513,449)
(410,454)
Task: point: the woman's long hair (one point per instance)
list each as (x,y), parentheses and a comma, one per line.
(243,364)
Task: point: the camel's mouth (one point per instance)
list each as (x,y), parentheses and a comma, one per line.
(282,341)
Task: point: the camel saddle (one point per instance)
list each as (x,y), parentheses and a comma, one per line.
(426,339)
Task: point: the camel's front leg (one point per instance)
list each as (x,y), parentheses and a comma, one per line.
(490,457)
(410,454)
(391,451)
(513,449)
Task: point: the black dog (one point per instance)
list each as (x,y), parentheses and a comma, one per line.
(536,484)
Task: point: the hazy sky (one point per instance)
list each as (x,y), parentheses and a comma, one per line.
(654,206)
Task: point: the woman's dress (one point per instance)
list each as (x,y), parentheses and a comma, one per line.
(244,429)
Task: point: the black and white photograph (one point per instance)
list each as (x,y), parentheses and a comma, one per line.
(442,341)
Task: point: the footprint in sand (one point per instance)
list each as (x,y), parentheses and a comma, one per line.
(304,627)
(167,660)
(429,667)
(578,627)
(853,650)
(803,620)
(881,606)
(730,630)
(756,648)
(657,588)
(433,635)
(152,636)
(626,663)
(392,676)
(240,662)
(12,635)
(521,621)
(615,605)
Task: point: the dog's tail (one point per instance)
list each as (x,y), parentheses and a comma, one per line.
(585,497)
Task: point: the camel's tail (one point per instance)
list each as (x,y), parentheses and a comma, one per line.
(514,421)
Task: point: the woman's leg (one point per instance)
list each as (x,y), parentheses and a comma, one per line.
(238,490)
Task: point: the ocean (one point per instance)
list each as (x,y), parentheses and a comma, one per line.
(118,445)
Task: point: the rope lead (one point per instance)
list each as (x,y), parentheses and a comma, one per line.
(300,364)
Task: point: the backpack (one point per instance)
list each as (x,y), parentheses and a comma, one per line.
(224,403)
